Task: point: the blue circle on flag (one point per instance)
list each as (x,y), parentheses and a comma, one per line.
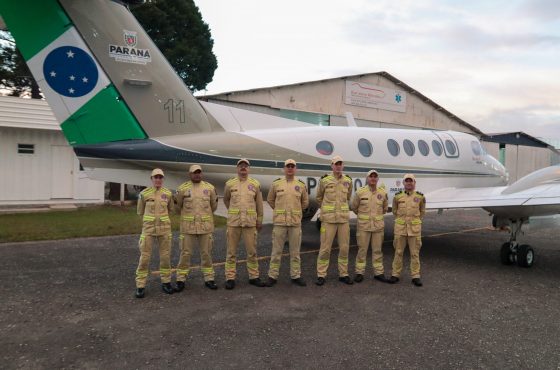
(70,71)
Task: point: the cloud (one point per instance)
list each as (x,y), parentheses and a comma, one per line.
(541,10)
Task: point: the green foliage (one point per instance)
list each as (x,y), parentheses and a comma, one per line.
(15,76)
(177,28)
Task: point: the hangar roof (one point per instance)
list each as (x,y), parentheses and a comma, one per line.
(26,113)
(386,75)
(517,138)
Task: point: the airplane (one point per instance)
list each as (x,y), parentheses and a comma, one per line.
(124,111)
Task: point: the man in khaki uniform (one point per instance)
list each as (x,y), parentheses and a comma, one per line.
(196,201)
(155,204)
(335,190)
(288,198)
(370,203)
(409,207)
(243,199)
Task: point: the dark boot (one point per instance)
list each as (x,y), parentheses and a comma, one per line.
(299,281)
(345,280)
(230,284)
(167,288)
(210,284)
(359,278)
(179,286)
(140,292)
(257,282)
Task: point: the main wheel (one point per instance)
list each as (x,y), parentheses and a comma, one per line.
(505,254)
(525,256)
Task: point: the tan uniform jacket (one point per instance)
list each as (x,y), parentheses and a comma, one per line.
(288,199)
(333,196)
(244,202)
(155,205)
(409,209)
(197,203)
(370,206)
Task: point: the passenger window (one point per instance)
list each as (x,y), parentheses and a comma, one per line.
(408,147)
(423,147)
(365,147)
(475,145)
(393,147)
(324,147)
(437,148)
(451,148)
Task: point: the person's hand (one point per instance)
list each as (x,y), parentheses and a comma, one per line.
(259,225)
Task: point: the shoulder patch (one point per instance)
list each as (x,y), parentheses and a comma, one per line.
(147,191)
(207,185)
(419,193)
(185,186)
(325,175)
(254,182)
(362,189)
(278,179)
(301,182)
(166,191)
(348,177)
(232,181)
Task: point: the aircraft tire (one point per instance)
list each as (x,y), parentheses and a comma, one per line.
(525,256)
(506,255)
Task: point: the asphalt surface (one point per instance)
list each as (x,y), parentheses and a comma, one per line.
(70,304)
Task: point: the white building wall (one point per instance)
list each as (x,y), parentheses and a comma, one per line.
(29,178)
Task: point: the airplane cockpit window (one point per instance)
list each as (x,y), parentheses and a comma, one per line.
(475,145)
(408,147)
(423,147)
(393,147)
(437,148)
(450,147)
(365,147)
(324,147)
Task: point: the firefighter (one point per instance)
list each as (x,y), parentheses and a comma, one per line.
(243,199)
(370,203)
(155,205)
(196,201)
(288,198)
(335,190)
(409,207)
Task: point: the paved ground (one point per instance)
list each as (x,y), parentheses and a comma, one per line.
(69,304)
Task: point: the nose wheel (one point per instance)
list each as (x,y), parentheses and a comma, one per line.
(513,253)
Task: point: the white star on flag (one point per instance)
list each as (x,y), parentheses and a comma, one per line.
(72,78)
(85,80)
(71,91)
(53,74)
(70,54)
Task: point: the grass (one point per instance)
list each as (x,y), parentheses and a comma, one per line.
(85,222)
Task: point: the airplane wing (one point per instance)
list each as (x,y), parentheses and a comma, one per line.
(537,194)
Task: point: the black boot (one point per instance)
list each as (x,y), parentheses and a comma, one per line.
(320,281)
(345,280)
(381,278)
(257,282)
(299,281)
(167,288)
(359,278)
(210,284)
(393,280)
(139,292)
(180,285)
(271,282)
(230,284)
(417,282)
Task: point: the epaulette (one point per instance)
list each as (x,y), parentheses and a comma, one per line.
(325,175)
(148,191)
(207,185)
(382,187)
(301,182)
(185,186)
(254,182)
(362,189)
(399,194)
(232,181)
(278,179)
(166,191)
(419,193)
(348,177)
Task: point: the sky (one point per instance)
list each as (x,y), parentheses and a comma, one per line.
(493,63)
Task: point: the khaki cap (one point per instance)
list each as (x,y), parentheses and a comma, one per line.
(243,160)
(409,176)
(157,171)
(195,167)
(372,171)
(289,161)
(336,158)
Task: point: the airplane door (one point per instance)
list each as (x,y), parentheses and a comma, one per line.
(450,147)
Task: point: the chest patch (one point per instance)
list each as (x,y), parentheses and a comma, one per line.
(205,192)
(163,197)
(346,184)
(251,187)
(297,188)
(416,200)
(379,196)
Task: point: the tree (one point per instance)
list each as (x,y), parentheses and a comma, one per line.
(15,76)
(177,28)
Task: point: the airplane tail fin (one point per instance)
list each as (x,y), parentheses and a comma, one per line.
(102,75)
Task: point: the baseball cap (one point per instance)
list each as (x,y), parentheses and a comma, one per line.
(409,176)
(336,158)
(289,161)
(372,171)
(157,171)
(195,167)
(243,160)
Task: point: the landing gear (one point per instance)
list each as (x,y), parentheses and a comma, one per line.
(511,252)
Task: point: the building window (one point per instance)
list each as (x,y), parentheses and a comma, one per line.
(393,147)
(408,147)
(313,118)
(324,147)
(502,154)
(475,145)
(26,148)
(365,147)
(450,147)
(437,148)
(423,147)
